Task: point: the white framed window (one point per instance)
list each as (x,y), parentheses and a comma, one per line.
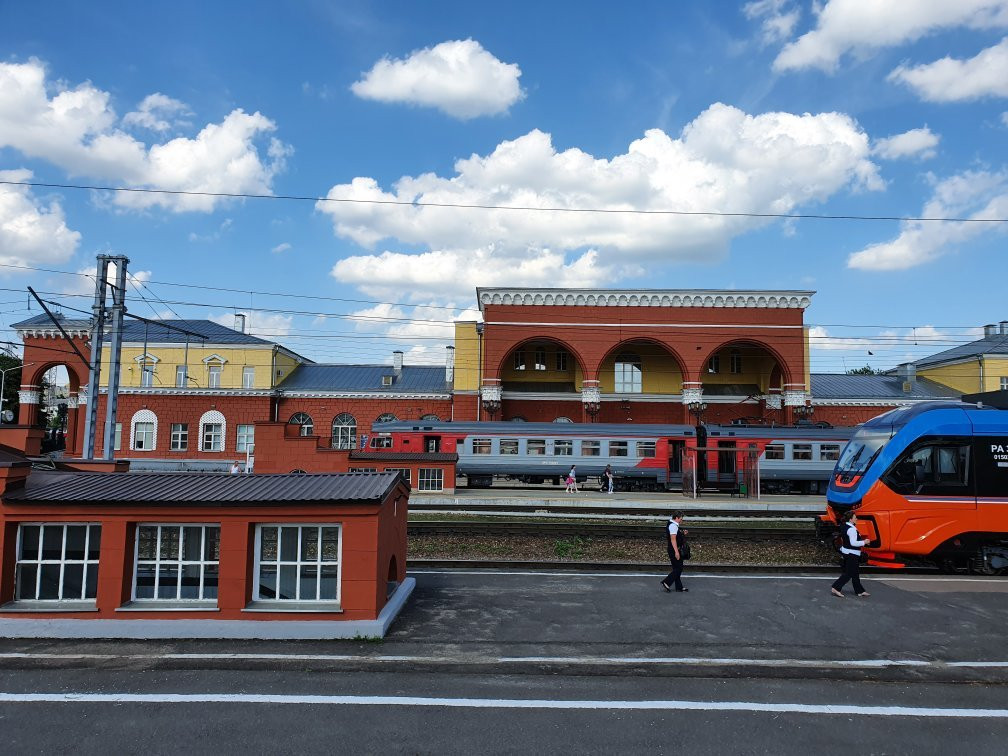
(508,445)
(563,448)
(344,431)
(214,375)
(562,419)
(246,438)
(629,376)
(381,442)
(714,364)
(590,448)
(143,431)
(774,451)
(117,438)
(802,452)
(386,417)
(179,436)
(181,376)
(57,562)
(829,452)
(303,419)
(1004,382)
(248,377)
(430,418)
(404,470)
(176,562)
(212,431)
(364,469)
(146,375)
(540,359)
(431,479)
(297,563)
(535,446)
(561,362)
(482,446)
(645,449)
(736,361)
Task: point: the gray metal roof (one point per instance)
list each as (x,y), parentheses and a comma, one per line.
(202,488)
(135,331)
(415,378)
(842,386)
(997,344)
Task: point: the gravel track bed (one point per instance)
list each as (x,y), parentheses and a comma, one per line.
(630,550)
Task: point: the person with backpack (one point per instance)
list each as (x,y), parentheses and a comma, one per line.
(676,538)
(851,553)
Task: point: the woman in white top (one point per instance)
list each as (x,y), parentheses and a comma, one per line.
(851,551)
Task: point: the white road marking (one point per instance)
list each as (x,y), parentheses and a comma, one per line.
(484,660)
(503,703)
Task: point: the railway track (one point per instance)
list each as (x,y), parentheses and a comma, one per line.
(662,510)
(804,532)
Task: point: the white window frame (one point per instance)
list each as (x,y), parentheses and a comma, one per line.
(143,417)
(804,449)
(385,417)
(591,448)
(117,438)
(214,373)
(563,447)
(178,562)
(248,376)
(297,563)
(829,452)
(146,376)
(306,426)
(628,374)
(380,442)
(245,439)
(404,470)
(212,417)
(179,437)
(1004,382)
(344,435)
(181,376)
(482,446)
(519,359)
(778,451)
(430,479)
(38,562)
(507,446)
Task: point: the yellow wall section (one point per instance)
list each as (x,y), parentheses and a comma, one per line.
(467,375)
(170,357)
(757,366)
(994,370)
(660,373)
(963,377)
(283,367)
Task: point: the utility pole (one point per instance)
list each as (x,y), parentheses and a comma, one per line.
(94,365)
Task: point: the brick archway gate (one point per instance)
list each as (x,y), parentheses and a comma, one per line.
(45,348)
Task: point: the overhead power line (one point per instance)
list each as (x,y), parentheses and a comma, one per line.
(521,208)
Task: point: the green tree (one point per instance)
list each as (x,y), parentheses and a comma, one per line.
(866,370)
(12,382)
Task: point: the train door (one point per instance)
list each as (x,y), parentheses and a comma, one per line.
(726,462)
(432,444)
(675,462)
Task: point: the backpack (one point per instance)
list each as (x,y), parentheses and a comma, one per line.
(681,542)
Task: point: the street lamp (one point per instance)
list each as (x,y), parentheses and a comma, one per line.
(3,380)
(803,411)
(697,409)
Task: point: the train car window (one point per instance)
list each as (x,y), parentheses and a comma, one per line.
(991,455)
(381,442)
(591,448)
(563,448)
(535,446)
(618,449)
(802,452)
(482,445)
(509,446)
(775,451)
(645,449)
(829,452)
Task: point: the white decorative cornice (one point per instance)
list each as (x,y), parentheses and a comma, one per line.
(878,402)
(645,298)
(28,396)
(146,357)
(177,391)
(359,395)
(52,333)
(214,358)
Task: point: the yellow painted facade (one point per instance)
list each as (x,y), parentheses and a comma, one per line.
(660,373)
(757,366)
(467,374)
(965,376)
(232,360)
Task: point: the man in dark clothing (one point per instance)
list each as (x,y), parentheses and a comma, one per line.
(674,555)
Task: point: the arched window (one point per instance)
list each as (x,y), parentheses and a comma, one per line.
(212,431)
(387,417)
(431,418)
(563,420)
(298,472)
(629,376)
(344,431)
(143,431)
(304,420)
(517,419)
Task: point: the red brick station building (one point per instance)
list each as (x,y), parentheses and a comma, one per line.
(140,553)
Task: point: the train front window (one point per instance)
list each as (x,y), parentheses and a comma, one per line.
(861,451)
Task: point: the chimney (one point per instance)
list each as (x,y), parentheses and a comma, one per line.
(908,374)
(239,324)
(990,330)
(397,362)
(449,368)
(1004,327)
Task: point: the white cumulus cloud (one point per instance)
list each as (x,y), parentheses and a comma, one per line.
(858,27)
(952,80)
(154,112)
(32,232)
(973,195)
(919,143)
(777,18)
(458,77)
(78,131)
(281,247)
(725,161)
(265,325)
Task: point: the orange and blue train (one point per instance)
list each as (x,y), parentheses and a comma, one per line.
(929,483)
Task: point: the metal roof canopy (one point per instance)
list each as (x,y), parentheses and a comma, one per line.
(160,489)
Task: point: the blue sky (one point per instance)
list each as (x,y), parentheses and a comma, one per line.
(891,108)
